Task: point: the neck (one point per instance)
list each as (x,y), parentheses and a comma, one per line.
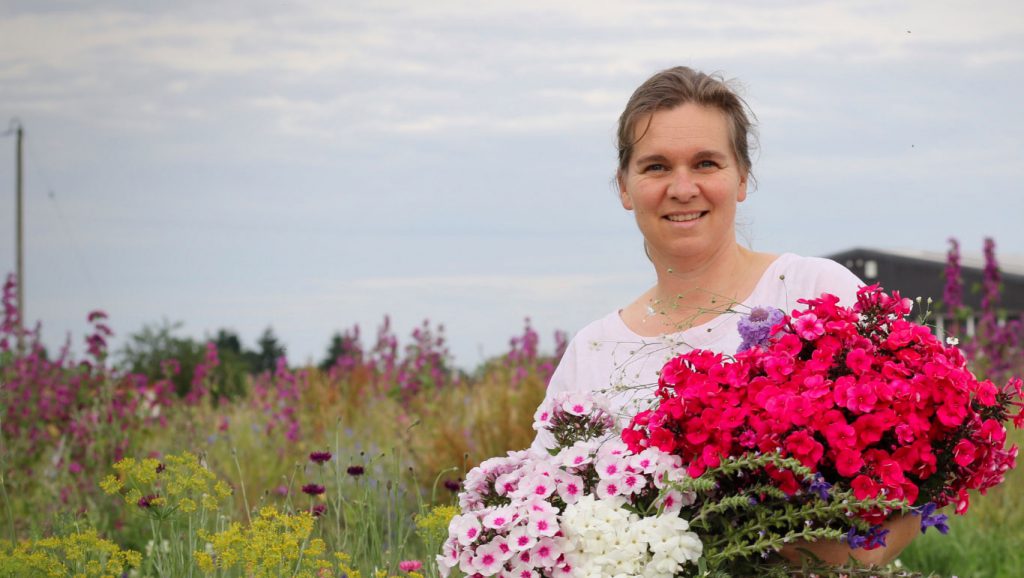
(694,282)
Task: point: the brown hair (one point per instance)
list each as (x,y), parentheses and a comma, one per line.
(681,85)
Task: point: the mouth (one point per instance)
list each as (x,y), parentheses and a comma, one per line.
(685,217)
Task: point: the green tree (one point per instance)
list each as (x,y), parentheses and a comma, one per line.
(148,350)
(269,349)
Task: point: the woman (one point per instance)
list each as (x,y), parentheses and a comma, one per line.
(684,143)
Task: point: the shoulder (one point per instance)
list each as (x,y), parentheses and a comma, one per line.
(808,277)
(608,328)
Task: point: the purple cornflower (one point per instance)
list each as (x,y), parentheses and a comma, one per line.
(930,519)
(756,327)
(820,487)
(452,485)
(318,510)
(313,489)
(355,470)
(320,457)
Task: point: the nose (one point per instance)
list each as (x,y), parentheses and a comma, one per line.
(683,186)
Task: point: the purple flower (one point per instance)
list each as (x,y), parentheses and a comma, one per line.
(318,510)
(855,540)
(146,502)
(320,457)
(756,327)
(452,485)
(313,489)
(355,470)
(876,537)
(930,519)
(821,487)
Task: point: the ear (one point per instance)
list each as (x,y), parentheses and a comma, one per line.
(742,193)
(627,201)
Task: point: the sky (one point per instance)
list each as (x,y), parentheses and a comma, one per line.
(310,166)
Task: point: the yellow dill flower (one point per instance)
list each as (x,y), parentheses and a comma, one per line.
(222,489)
(432,527)
(188,505)
(111,484)
(204,561)
(344,561)
(83,554)
(273,544)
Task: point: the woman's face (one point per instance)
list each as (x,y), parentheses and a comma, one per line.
(683,182)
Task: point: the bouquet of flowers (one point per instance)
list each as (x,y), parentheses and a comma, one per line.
(871,401)
(593,507)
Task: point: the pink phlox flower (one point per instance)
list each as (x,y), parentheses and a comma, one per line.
(500,518)
(610,488)
(536,506)
(669,472)
(578,404)
(542,525)
(570,488)
(673,500)
(466,562)
(614,447)
(633,482)
(523,571)
(488,559)
(808,326)
(447,559)
(580,454)
(542,417)
(646,461)
(535,485)
(466,528)
(508,484)
(964,453)
(546,552)
(611,467)
(520,539)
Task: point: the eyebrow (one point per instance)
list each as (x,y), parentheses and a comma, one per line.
(699,155)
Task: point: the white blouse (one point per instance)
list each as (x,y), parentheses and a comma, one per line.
(607,357)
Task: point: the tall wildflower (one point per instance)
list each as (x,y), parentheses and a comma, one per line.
(997,342)
(953,293)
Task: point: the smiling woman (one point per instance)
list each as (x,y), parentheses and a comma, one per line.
(683,167)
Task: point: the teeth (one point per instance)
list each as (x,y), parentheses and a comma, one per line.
(684,218)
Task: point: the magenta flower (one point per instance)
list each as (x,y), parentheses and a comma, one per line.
(313,489)
(318,510)
(355,471)
(146,502)
(410,565)
(320,457)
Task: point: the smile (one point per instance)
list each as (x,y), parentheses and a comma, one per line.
(685,217)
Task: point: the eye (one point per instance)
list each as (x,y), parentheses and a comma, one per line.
(707,164)
(654,167)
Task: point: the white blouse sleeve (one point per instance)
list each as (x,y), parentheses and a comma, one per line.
(562,380)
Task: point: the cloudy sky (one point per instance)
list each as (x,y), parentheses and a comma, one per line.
(319,164)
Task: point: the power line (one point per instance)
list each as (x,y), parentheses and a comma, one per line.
(39,172)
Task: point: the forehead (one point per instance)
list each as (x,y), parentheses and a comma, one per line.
(687,125)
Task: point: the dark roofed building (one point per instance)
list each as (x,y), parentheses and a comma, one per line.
(923,274)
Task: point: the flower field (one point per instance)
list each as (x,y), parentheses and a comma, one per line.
(350,469)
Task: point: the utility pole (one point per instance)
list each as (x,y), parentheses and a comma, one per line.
(20,233)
